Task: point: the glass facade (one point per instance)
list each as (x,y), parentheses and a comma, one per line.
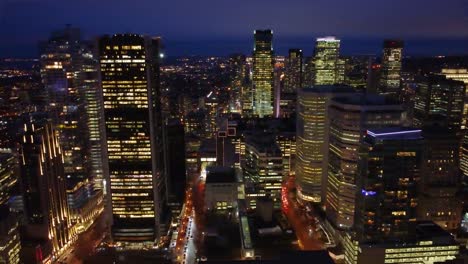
(263,72)
(389,173)
(391,68)
(312,140)
(349,118)
(439,97)
(328,67)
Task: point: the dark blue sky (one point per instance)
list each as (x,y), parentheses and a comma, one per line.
(220,26)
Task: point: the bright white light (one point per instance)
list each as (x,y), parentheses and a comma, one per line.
(161,55)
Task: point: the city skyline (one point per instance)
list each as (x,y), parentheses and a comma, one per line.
(267,131)
(194,24)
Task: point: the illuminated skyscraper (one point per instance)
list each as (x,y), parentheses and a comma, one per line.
(312,139)
(328,67)
(391,68)
(42,177)
(9,232)
(350,117)
(238,68)
(129,67)
(94,119)
(438,96)
(263,70)
(389,172)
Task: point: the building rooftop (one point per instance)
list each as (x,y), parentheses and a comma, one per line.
(366,100)
(328,89)
(219,174)
(394,133)
(263,142)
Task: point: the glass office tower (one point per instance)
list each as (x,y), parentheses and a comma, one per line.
(390,77)
(328,67)
(263,68)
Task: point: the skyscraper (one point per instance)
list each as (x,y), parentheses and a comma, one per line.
(312,139)
(438,96)
(174,160)
(263,70)
(391,68)
(238,68)
(389,172)
(62,64)
(293,76)
(94,119)
(440,178)
(328,67)
(349,118)
(42,177)
(129,68)
(459,75)
(9,232)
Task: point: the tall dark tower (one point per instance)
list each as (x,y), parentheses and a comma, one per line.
(129,68)
(174,163)
(263,70)
(294,78)
(391,68)
(389,168)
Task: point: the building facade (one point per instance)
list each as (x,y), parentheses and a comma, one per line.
(10,245)
(349,118)
(42,178)
(262,75)
(390,73)
(389,173)
(263,168)
(312,139)
(129,69)
(328,67)
(439,97)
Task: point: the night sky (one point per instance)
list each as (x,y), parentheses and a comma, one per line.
(220,27)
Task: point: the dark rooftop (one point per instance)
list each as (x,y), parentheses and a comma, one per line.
(394,133)
(218,174)
(328,89)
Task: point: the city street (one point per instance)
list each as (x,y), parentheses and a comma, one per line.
(87,243)
(299,221)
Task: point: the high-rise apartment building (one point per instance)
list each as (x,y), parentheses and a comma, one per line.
(390,73)
(389,172)
(263,70)
(312,139)
(129,69)
(47,225)
(328,68)
(350,117)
